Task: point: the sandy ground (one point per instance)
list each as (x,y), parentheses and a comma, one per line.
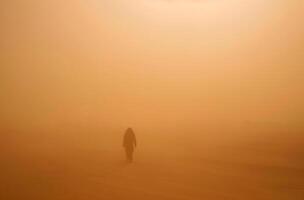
(272,169)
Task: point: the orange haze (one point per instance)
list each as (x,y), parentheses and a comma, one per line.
(77,73)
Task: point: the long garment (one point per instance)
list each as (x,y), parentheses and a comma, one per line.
(129,153)
(129,143)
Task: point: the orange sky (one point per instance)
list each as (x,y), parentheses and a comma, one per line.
(150,63)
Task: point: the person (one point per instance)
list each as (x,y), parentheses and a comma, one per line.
(129,143)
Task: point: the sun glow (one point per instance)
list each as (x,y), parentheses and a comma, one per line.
(198,10)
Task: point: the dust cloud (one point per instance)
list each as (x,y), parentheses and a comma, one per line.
(211,89)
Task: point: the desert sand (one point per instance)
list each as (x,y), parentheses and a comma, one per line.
(269,168)
(212,88)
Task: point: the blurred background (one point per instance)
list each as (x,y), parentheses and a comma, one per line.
(191,77)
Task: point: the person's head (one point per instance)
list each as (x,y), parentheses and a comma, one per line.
(129,130)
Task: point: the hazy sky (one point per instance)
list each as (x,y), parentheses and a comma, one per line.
(150,63)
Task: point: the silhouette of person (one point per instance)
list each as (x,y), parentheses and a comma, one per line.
(129,143)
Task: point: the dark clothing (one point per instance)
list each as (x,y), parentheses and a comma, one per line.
(129,143)
(129,154)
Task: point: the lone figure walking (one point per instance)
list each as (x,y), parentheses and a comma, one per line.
(129,143)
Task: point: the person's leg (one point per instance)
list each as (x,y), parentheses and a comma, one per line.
(129,154)
(126,152)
